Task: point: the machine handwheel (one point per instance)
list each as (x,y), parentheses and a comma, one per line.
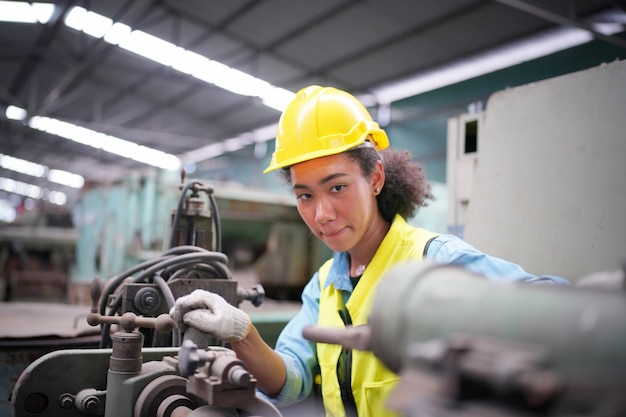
(159,394)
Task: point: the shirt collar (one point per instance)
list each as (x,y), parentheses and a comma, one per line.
(339,274)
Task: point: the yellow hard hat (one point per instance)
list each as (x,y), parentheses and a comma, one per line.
(322,121)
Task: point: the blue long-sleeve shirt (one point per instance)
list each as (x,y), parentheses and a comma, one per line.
(299,355)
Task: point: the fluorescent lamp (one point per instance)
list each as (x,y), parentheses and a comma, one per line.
(22,12)
(609,28)
(96,25)
(239,82)
(209,71)
(117,33)
(32,191)
(8,213)
(189,62)
(21,188)
(512,54)
(75,19)
(98,140)
(277,98)
(40,171)
(57,197)
(105,142)
(150,47)
(213,150)
(23,167)
(15,113)
(180,59)
(88,22)
(66,178)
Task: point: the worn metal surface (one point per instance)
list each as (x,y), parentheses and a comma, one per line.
(29,330)
(561,345)
(69,371)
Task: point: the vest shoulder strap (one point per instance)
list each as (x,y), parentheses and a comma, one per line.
(323,272)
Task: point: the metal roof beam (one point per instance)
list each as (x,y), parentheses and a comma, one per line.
(554,17)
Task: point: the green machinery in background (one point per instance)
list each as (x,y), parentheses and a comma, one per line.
(123,224)
(145,366)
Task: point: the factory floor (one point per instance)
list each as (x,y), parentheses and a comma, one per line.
(30,329)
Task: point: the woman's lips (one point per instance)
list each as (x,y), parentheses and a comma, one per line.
(332,234)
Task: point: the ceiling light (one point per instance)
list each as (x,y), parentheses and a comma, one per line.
(40,171)
(98,140)
(105,142)
(88,22)
(76,18)
(96,25)
(57,197)
(496,59)
(8,213)
(533,47)
(15,113)
(32,191)
(23,167)
(150,47)
(22,12)
(117,33)
(169,54)
(277,98)
(66,178)
(21,188)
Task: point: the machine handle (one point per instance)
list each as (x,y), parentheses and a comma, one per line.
(128,321)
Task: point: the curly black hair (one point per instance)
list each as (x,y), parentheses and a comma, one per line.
(406,188)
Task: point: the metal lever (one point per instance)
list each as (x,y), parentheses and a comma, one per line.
(352,337)
(128,321)
(256,295)
(225,366)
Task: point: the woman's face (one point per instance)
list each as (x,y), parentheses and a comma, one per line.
(335,200)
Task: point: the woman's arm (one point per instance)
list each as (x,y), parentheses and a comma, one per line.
(450,249)
(262,361)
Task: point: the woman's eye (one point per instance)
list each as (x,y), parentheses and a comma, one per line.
(339,187)
(303,196)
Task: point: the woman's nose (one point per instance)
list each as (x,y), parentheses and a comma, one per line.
(324,211)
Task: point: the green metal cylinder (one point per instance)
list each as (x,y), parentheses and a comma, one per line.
(583,330)
(124,364)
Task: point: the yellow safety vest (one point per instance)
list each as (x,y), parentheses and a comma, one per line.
(371,381)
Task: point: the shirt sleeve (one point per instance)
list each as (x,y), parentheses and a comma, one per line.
(450,249)
(298,354)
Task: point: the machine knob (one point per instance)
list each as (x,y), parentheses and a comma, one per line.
(190,358)
(256,295)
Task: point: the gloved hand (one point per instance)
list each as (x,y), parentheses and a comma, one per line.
(210,313)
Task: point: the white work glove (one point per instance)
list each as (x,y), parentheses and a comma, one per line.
(210,313)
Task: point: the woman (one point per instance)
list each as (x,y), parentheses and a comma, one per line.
(355,195)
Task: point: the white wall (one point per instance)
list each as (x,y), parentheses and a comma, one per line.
(550,185)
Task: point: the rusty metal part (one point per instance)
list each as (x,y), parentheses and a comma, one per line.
(89,401)
(148,300)
(493,368)
(126,357)
(128,321)
(175,406)
(256,295)
(81,369)
(158,391)
(221,379)
(351,337)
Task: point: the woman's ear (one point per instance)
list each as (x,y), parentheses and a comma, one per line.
(377,179)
